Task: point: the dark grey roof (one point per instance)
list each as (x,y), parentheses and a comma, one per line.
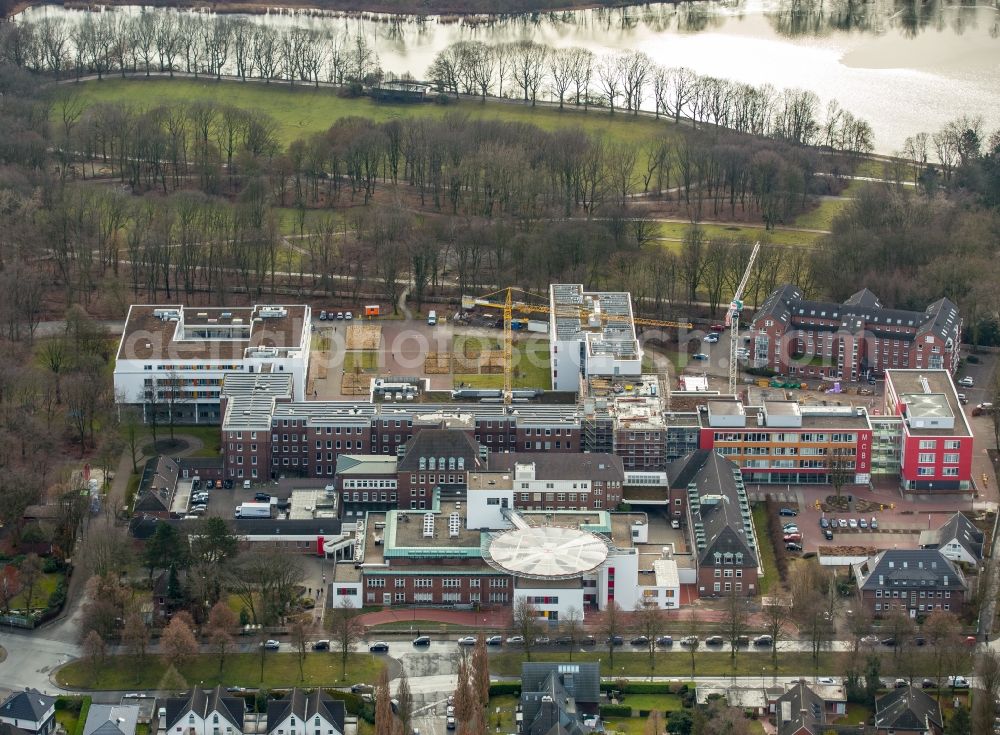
(305,706)
(556,696)
(563,465)
(440,443)
(152,501)
(786,303)
(203,703)
(800,707)
(582,680)
(27,705)
(907,708)
(958,528)
(111,719)
(200,463)
(272,526)
(722,509)
(159,472)
(916,568)
(7,729)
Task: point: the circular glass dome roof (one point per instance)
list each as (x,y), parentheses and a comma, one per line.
(547,552)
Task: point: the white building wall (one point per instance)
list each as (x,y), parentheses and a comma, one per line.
(665,598)
(345,593)
(483,508)
(560,600)
(564,364)
(610,366)
(625,566)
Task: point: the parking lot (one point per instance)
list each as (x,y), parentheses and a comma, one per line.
(222,501)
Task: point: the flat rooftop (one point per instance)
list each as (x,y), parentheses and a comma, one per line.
(602,318)
(176,332)
(409,529)
(490,481)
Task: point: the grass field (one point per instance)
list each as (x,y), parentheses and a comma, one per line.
(241,669)
(661,702)
(301,111)
(208,435)
(361,360)
(791,238)
(530,358)
(821,216)
(40,595)
(767,561)
(678,663)
(293,222)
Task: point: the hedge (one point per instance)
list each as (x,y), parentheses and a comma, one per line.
(84,711)
(637,687)
(501,688)
(616,710)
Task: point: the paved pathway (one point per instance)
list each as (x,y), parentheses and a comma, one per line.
(489,620)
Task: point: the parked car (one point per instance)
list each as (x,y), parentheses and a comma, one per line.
(616,640)
(928,684)
(869,640)
(862,523)
(689,640)
(361,688)
(826,680)
(422,640)
(494,640)
(322,316)
(210,484)
(228,484)
(900,683)
(450,722)
(792,537)
(564,640)
(664,641)
(640,640)
(516,640)
(852,522)
(717,328)
(271,645)
(790,524)
(379,647)
(958,682)
(348,316)
(967,382)
(699,356)
(468,640)
(919,641)
(323,645)
(542,640)
(340,315)
(792,546)
(791,528)
(588,641)
(824,523)
(982,408)
(828,535)
(711,338)
(890,641)
(763,640)
(963,399)
(788,512)
(843,523)
(874,523)
(198,510)
(714,640)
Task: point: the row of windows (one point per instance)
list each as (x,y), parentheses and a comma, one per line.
(785,437)
(928,458)
(913,594)
(948,444)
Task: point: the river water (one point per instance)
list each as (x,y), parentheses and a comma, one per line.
(906,67)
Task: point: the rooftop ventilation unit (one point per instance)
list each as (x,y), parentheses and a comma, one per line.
(428,525)
(272,312)
(454,525)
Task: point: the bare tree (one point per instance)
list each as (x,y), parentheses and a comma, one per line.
(94,651)
(612,625)
(735,622)
(404,698)
(300,638)
(385,721)
(525,624)
(528,67)
(571,625)
(178,642)
(988,682)
(135,636)
(344,626)
(647,621)
(221,623)
(481,671)
(775,623)
(31,573)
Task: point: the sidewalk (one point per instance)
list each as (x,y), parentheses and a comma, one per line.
(486,620)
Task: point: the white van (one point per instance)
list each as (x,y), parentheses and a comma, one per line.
(432,317)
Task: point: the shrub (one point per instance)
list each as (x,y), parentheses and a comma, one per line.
(84,710)
(58,597)
(443,99)
(69,704)
(500,688)
(51,565)
(616,710)
(760,372)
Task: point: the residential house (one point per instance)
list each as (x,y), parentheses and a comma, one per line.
(156,488)
(111,719)
(561,698)
(205,713)
(29,710)
(719,522)
(299,713)
(958,539)
(917,581)
(907,711)
(812,710)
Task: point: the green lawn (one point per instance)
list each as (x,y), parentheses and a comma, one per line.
(360,360)
(678,663)
(242,669)
(856,715)
(302,110)
(289,219)
(209,436)
(502,721)
(67,719)
(821,216)
(530,357)
(40,595)
(767,561)
(651,702)
(790,238)
(408,626)
(625,725)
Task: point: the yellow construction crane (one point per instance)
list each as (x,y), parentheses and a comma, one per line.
(508,304)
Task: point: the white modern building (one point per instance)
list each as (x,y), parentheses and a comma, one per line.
(178,356)
(592,334)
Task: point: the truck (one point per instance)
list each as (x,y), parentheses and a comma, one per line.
(253,510)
